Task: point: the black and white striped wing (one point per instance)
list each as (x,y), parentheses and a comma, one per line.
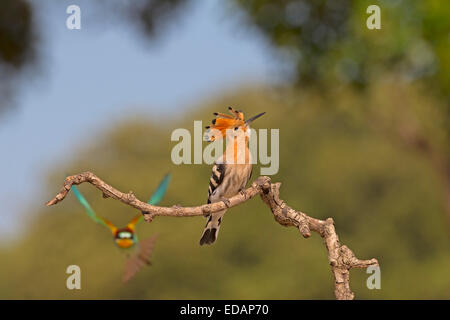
(218,172)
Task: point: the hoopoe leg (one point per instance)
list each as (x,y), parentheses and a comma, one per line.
(226,201)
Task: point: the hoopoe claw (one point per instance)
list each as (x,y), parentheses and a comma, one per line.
(226,202)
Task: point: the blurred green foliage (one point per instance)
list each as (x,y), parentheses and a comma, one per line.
(328,41)
(386,202)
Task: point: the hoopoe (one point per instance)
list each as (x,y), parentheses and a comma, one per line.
(232,170)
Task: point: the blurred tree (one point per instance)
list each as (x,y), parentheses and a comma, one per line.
(17,44)
(15,32)
(150,17)
(154,15)
(327,40)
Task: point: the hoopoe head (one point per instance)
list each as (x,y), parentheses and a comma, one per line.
(225,124)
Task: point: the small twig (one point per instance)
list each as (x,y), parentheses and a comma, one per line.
(340,257)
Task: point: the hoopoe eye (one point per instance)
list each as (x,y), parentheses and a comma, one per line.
(235,128)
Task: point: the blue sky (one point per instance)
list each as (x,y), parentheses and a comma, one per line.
(102,72)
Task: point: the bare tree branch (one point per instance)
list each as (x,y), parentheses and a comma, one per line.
(340,257)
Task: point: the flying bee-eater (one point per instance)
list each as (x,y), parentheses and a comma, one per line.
(126,237)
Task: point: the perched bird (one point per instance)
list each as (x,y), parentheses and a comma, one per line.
(232,170)
(126,237)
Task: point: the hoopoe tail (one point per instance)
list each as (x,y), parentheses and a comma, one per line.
(211,231)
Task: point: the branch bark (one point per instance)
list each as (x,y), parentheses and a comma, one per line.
(340,257)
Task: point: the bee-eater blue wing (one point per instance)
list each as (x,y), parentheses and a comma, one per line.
(90,212)
(160,191)
(155,198)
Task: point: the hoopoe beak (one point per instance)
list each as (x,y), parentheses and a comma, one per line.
(247,122)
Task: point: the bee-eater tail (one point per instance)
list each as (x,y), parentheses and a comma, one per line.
(212,227)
